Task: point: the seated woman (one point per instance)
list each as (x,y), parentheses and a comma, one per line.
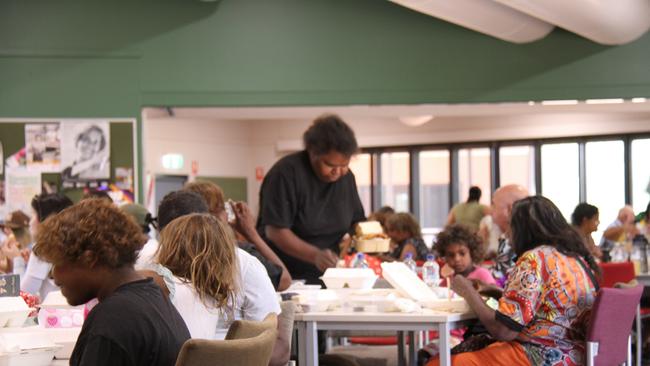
(254,296)
(542,315)
(406,237)
(585,220)
(199,250)
(36,279)
(93,246)
(463,251)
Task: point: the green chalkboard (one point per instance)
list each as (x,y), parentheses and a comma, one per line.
(233,188)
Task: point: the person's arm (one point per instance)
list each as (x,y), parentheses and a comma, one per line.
(35,273)
(486,315)
(613,233)
(408,248)
(291,244)
(451,218)
(245,225)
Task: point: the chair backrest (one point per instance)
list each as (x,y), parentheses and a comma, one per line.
(611,322)
(255,351)
(241,329)
(616,272)
(285,320)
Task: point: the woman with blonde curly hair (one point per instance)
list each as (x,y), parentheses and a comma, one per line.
(92,247)
(199,250)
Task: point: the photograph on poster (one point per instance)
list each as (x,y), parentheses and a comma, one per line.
(43,147)
(85,150)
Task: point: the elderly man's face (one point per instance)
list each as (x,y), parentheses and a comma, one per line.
(501,211)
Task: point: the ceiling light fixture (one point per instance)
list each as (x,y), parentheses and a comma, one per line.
(639,100)
(605,101)
(560,102)
(415,121)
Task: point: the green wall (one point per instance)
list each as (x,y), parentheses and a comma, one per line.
(92,58)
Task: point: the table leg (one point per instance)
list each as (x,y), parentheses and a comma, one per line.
(443,344)
(412,351)
(300,339)
(311,344)
(401,358)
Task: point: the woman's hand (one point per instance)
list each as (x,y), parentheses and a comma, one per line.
(244,223)
(486,289)
(462,286)
(325,259)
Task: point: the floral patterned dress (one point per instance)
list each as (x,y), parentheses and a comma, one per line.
(548,299)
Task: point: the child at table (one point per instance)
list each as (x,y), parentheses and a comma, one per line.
(406,237)
(463,251)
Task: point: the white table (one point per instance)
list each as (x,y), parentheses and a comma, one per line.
(308,324)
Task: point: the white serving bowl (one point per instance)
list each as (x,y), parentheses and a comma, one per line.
(354,278)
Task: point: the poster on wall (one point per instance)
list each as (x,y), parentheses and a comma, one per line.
(43,147)
(85,152)
(21,185)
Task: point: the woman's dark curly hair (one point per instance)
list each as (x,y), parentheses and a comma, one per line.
(91,230)
(460,234)
(330,133)
(536,221)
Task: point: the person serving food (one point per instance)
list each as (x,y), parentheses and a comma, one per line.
(309,200)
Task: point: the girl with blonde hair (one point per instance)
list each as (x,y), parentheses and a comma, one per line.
(199,251)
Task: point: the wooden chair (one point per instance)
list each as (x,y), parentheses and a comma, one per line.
(242,329)
(255,351)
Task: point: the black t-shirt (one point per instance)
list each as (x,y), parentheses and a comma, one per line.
(318,212)
(136,326)
(273,270)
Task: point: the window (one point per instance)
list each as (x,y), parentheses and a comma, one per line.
(395,180)
(360,166)
(434,188)
(517,166)
(640,174)
(474,170)
(561,176)
(605,180)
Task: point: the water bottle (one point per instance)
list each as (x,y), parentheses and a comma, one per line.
(431,271)
(410,263)
(360,261)
(641,243)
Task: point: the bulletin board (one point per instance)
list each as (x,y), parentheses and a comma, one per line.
(121,170)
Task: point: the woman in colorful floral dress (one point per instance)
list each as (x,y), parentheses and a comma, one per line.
(542,315)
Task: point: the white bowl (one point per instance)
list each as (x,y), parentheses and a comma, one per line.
(354,278)
(29,357)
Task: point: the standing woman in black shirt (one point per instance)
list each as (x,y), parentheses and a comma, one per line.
(309,200)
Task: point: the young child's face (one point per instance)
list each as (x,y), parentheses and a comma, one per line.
(457,255)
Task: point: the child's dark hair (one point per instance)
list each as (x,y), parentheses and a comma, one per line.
(179,203)
(460,234)
(404,221)
(48,204)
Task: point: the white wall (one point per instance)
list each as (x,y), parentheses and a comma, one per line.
(231,148)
